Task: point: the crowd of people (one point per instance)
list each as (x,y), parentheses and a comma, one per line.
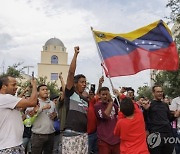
(85,122)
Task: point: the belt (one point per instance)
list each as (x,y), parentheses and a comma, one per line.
(72,132)
(43,134)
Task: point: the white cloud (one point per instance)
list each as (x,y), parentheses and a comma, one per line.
(26,25)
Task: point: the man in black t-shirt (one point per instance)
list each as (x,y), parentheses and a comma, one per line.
(75,139)
(159,116)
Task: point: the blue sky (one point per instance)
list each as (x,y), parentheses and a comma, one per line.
(25,26)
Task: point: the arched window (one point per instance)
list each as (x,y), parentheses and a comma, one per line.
(54,76)
(54,59)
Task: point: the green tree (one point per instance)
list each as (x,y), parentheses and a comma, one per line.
(174,5)
(144,91)
(52,86)
(15,70)
(170,80)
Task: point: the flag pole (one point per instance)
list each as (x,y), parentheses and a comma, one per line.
(102,60)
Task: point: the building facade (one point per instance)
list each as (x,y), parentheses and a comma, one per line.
(54,59)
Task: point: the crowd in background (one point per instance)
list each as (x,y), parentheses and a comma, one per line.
(77,121)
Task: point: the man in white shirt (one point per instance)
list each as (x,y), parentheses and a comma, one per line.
(11,125)
(175,106)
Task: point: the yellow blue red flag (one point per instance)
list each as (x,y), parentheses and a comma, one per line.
(150,47)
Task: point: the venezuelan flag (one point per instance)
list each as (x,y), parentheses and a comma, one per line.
(150,47)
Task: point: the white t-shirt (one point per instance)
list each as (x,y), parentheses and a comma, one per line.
(11,125)
(175,105)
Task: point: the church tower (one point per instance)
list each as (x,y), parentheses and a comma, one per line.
(54,60)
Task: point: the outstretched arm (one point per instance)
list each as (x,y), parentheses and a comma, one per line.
(107,111)
(101,80)
(32,101)
(72,69)
(23,92)
(62,85)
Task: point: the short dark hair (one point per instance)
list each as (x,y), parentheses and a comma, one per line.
(130,89)
(77,77)
(141,97)
(153,88)
(103,89)
(54,96)
(61,89)
(127,107)
(4,81)
(41,85)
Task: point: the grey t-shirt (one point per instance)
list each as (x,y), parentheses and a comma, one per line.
(43,124)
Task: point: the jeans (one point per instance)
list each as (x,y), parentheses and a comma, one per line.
(27,144)
(105,148)
(56,144)
(92,144)
(177,145)
(163,147)
(42,143)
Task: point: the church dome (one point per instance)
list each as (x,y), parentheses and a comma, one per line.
(54,41)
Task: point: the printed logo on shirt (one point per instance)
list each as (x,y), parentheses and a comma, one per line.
(83,104)
(100,113)
(112,113)
(154,140)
